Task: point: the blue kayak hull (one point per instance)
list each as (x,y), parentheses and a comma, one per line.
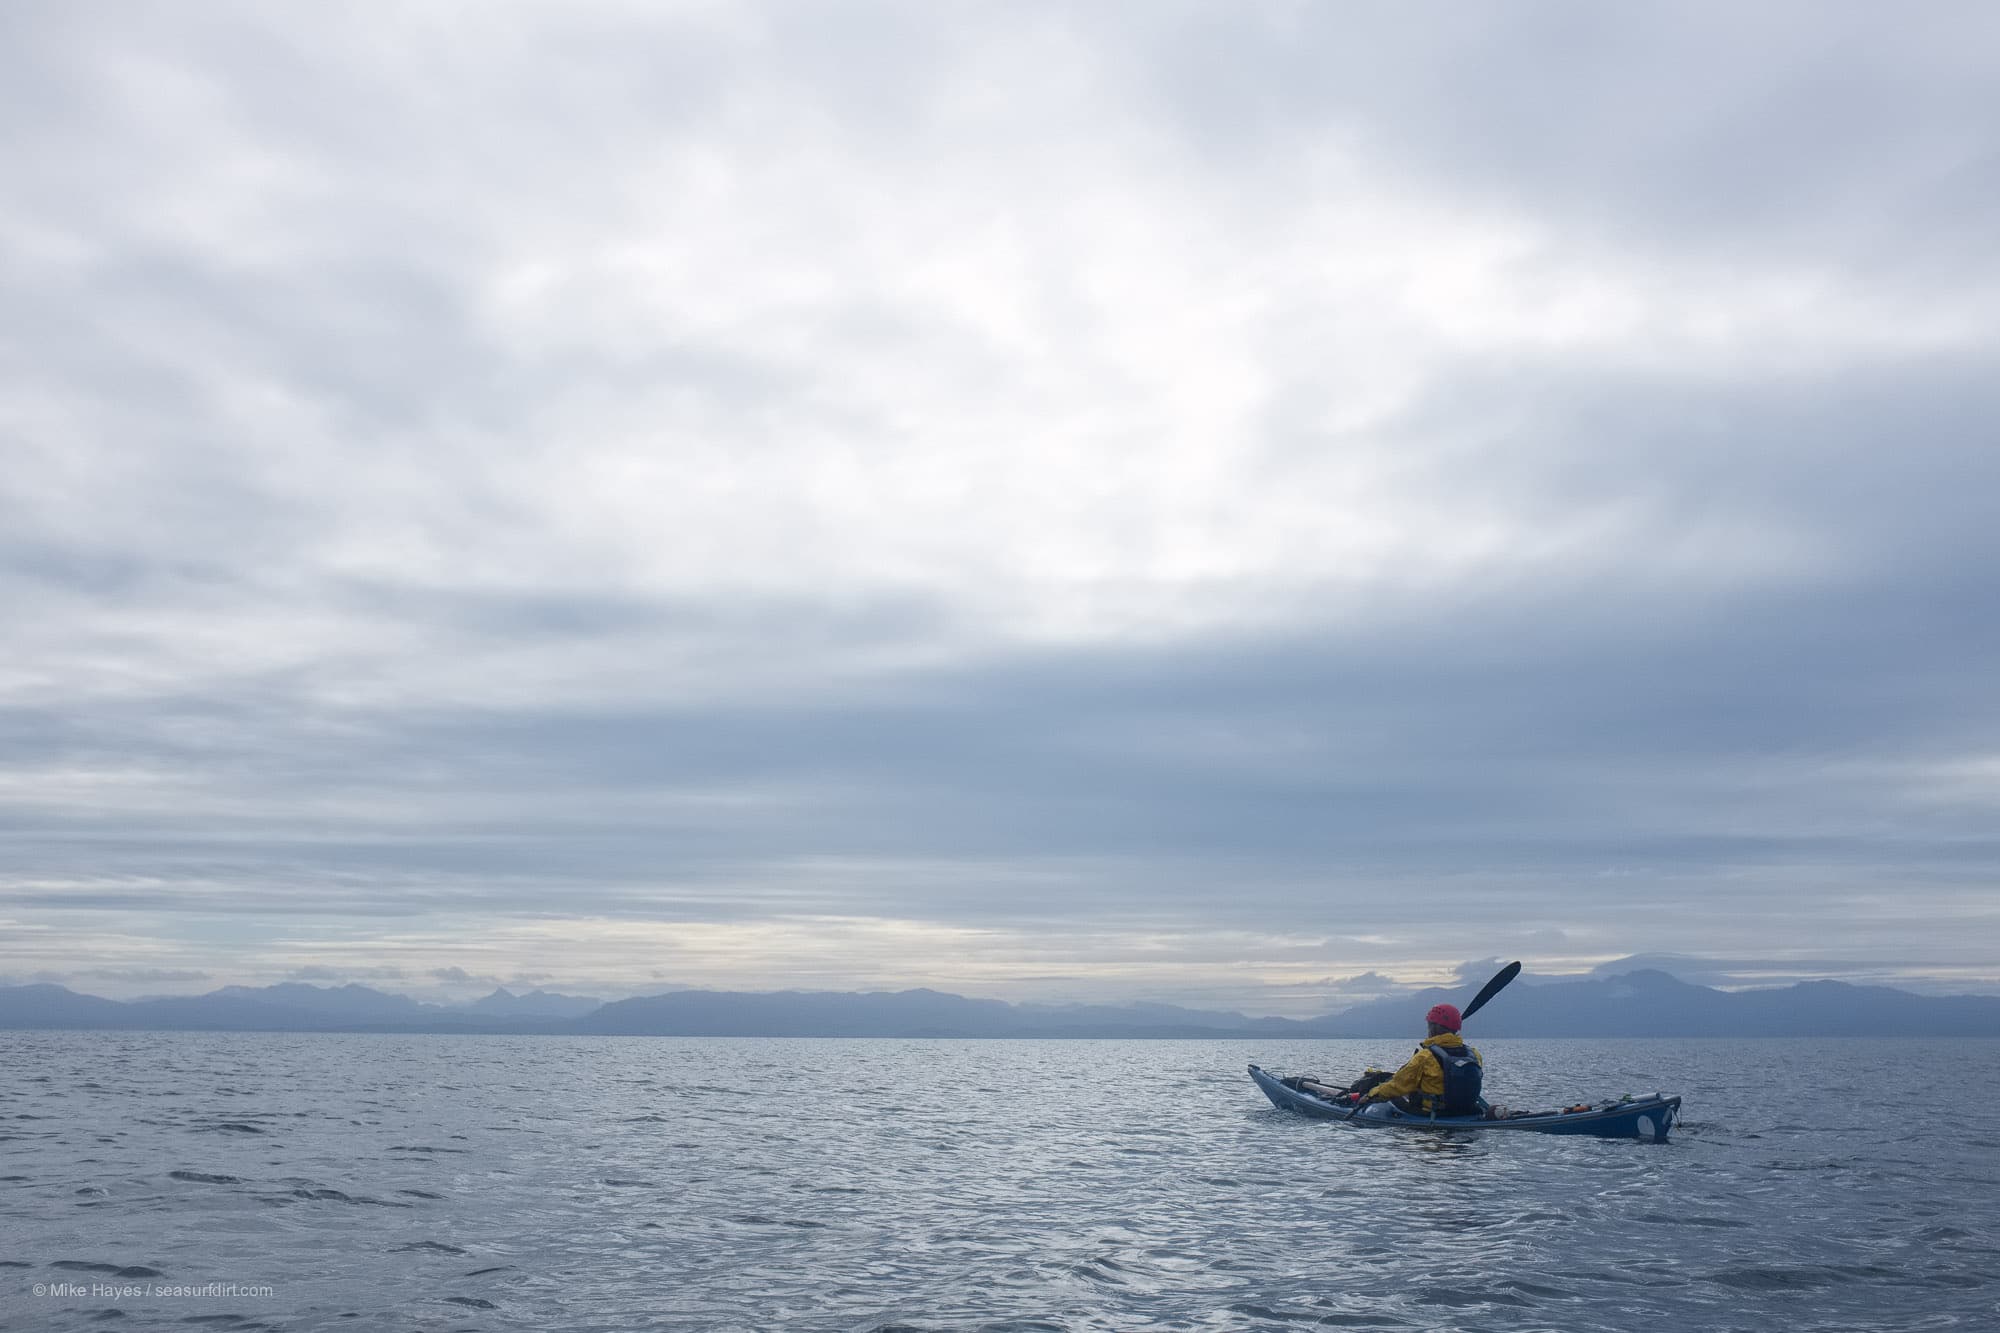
(1642,1118)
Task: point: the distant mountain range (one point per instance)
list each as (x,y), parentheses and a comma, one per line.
(1652,1003)
(1642,1003)
(291,1007)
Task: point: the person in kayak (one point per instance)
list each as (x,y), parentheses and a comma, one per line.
(1443,1077)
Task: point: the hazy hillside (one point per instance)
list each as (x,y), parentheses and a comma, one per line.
(1645,1003)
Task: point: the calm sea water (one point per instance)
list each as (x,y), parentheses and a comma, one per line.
(411,1183)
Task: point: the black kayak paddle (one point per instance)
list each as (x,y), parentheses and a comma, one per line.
(1492,988)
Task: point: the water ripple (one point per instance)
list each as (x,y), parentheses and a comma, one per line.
(614,1184)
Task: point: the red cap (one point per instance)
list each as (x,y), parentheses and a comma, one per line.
(1445,1016)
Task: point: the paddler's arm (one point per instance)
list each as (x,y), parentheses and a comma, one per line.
(1408,1079)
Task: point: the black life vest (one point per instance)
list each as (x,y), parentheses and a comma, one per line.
(1463,1078)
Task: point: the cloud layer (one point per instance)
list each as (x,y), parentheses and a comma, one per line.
(1196,504)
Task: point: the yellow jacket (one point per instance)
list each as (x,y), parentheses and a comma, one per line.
(1421,1073)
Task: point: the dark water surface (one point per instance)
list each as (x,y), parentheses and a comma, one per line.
(389,1182)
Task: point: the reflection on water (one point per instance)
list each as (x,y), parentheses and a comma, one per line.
(239,1182)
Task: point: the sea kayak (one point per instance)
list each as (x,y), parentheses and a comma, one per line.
(1648,1117)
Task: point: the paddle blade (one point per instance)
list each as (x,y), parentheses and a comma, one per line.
(1492,988)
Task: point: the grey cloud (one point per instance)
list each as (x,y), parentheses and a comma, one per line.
(1747,134)
(1528,709)
(1556,757)
(345,974)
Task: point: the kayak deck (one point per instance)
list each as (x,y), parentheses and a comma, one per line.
(1649,1117)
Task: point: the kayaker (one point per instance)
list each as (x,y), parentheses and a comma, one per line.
(1443,1077)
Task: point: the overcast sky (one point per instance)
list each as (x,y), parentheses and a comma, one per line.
(1198,502)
